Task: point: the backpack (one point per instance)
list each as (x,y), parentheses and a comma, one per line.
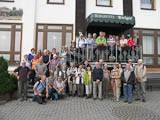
(39,82)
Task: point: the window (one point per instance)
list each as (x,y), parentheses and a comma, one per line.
(147,4)
(158,60)
(53,36)
(54,40)
(148,60)
(55,1)
(148,31)
(103,3)
(148,45)
(10,42)
(149,39)
(6,0)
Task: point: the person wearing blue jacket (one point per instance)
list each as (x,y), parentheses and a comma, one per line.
(97,81)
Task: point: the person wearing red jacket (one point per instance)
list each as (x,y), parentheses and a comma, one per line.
(131,43)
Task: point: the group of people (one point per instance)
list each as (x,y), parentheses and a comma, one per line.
(53,79)
(92,42)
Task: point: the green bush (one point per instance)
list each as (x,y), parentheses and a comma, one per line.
(8,83)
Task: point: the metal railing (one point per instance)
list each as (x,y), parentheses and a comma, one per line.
(107,53)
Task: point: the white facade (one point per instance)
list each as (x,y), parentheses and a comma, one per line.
(38,11)
(146,18)
(116,9)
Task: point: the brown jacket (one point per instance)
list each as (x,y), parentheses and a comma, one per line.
(140,71)
(116,74)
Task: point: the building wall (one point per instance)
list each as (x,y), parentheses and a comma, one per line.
(146,18)
(56,14)
(117,8)
(28,21)
(38,11)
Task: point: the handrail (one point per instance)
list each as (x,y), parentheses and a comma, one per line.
(107,53)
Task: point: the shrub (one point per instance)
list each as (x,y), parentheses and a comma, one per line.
(8,83)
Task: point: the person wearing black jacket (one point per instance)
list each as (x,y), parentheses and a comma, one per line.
(22,73)
(97,81)
(128,79)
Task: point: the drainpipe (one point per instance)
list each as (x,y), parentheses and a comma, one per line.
(35,20)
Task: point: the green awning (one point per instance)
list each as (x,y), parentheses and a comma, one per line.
(109,18)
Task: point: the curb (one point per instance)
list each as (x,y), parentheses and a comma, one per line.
(3,102)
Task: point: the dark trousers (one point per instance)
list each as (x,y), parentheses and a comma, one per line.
(47,72)
(95,54)
(40,99)
(22,89)
(32,76)
(80,90)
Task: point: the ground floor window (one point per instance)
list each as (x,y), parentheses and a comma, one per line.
(53,36)
(10,42)
(150,41)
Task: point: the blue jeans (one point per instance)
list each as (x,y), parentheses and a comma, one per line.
(127,90)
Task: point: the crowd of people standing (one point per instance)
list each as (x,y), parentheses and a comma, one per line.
(54,75)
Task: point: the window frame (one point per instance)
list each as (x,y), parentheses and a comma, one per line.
(155,35)
(6,1)
(104,5)
(45,30)
(153,6)
(48,2)
(12,51)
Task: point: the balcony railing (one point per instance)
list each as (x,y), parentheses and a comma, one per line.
(107,53)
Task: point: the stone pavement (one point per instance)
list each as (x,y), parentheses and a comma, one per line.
(73,108)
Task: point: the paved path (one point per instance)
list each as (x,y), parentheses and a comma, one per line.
(73,108)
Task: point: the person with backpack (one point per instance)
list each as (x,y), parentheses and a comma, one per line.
(41,90)
(141,78)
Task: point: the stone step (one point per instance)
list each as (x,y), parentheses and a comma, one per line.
(30,90)
(30,95)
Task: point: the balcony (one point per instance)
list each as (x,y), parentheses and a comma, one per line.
(109,54)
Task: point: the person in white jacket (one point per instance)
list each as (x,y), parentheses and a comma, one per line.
(80,81)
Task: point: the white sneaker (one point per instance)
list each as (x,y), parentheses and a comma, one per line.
(117,100)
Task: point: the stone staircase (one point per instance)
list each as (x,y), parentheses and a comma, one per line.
(150,75)
(30,91)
